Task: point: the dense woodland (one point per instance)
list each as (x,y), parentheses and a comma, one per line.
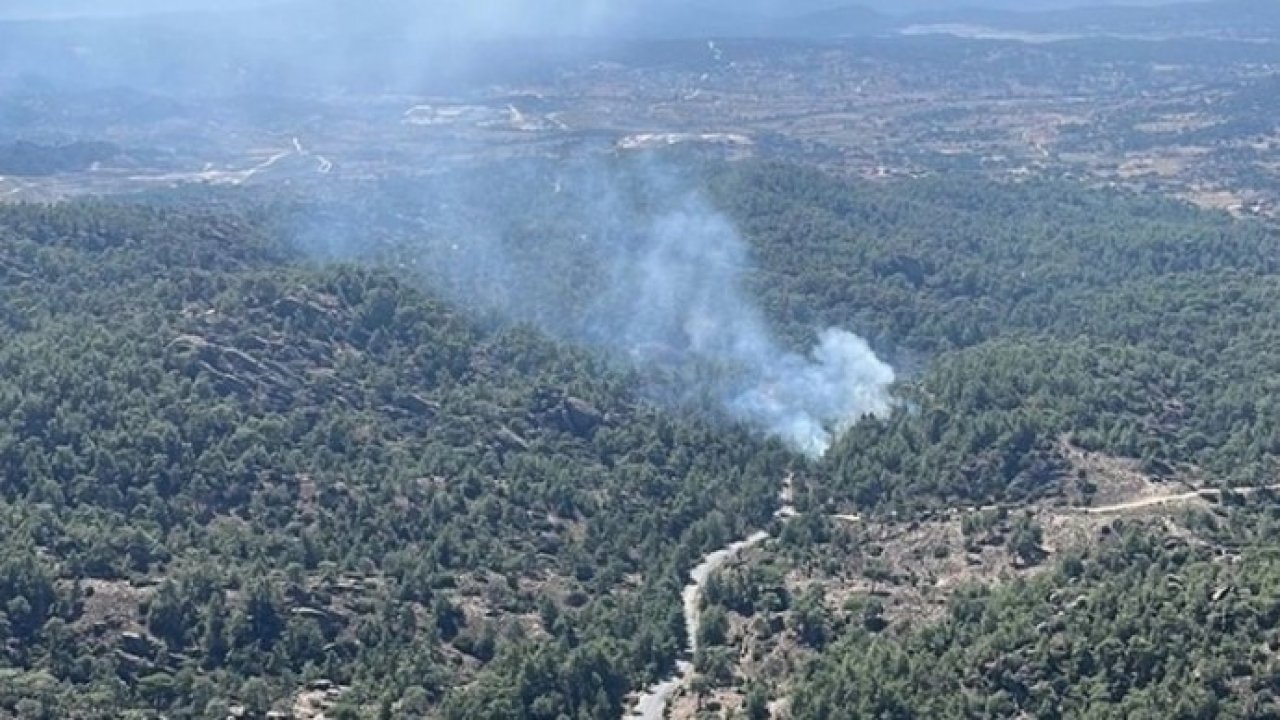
(1145,625)
(230,470)
(1036,311)
(1018,314)
(299,473)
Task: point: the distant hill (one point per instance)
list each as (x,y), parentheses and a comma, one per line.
(1255,17)
(30,159)
(838,22)
(297,48)
(761,20)
(907,7)
(869,17)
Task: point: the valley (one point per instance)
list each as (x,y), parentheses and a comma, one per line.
(1152,116)
(789,363)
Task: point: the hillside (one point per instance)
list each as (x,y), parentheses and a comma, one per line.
(1138,326)
(1017,312)
(227,475)
(25,159)
(237,476)
(1245,18)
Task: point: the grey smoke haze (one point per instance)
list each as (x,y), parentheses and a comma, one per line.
(528,8)
(297,47)
(661,282)
(630,257)
(659,274)
(681,286)
(474,18)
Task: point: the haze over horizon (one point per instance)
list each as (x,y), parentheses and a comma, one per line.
(65,9)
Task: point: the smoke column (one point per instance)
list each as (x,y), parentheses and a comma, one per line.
(658,273)
(643,267)
(684,290)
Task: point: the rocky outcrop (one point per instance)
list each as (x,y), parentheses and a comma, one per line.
(580,417)
(138,644)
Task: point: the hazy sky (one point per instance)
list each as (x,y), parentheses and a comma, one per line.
(10,9)
(72,8)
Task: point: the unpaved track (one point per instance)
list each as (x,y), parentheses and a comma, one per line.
(1205,494)
(652,705)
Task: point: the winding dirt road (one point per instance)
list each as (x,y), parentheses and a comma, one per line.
(652,705)
(1204,494)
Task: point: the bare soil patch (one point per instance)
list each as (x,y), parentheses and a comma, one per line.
(111,605)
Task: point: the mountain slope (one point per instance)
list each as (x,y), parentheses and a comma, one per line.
(227,475)
(232,476)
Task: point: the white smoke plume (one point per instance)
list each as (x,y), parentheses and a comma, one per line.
(656,275)
(685,289)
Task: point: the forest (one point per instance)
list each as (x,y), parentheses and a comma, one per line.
(32,159)
(1141,626)
(228,473)
(236,471)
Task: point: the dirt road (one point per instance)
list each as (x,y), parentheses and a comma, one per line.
(652,705)
(1204,494)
